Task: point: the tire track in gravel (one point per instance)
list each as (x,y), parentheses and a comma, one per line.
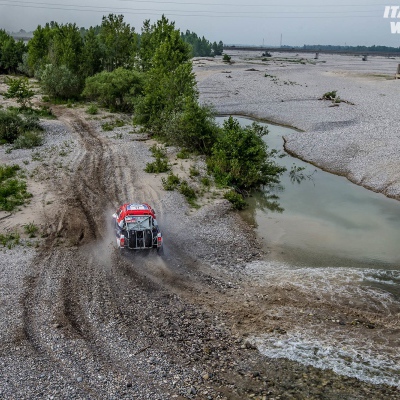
(54,302)
(72,295)
(95,315)
(74,310)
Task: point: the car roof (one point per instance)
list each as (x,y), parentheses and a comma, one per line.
(136,209)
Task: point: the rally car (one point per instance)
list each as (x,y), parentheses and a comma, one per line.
(136,227)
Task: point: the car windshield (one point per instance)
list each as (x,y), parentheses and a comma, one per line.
(138,222)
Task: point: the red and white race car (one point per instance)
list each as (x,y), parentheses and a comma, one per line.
(136,227)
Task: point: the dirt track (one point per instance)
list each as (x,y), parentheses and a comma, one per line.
(97,324)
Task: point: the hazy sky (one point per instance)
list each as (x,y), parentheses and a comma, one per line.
(255,22)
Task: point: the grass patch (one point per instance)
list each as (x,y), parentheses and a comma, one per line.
(9,239)
(171,182)
(109,126)
(161,163)
(31,229)
(92,109)
(205,180)
(41,112)
(13,191)
(183,154)
(193,171)
(190,194)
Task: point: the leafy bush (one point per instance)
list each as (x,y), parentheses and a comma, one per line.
(161,163)
(60,82)
(241,159)
(92,109)
(171,183)
(115,90)
(193,127)
(183,154)
(236,199)
(13,191)
(329,95)
(19,89)
(193,171)
(205,180)
(226,58)
(28,140)
(166,93)
(13,125)
(186,190)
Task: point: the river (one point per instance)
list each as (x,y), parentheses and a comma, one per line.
(324,233)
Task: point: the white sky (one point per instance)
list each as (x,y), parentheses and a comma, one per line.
(255,22)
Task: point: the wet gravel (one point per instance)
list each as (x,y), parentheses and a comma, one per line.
(86,322)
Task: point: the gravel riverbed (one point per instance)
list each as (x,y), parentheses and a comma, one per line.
(79,320)
(358,138)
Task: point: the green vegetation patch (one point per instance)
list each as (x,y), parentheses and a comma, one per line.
(236,199)
(31,229)
(161,163)
(13,191)
(13,124)
(171,182)
(9,239)
(241,159)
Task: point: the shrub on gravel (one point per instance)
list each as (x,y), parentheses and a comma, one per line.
(28,140)
(161,163)
(20,90)
(31,229)
(13,191)
(60,82)
(193,128)
(10,239)
(92,109)
(13,124)
(190,194)
(171,182)
(241,159)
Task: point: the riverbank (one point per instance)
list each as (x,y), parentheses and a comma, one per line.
(356,138)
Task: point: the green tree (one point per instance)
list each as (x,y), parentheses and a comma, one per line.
(152,37)
(19,89)
(92,54)
(241,159)
(115,90)
(118,41)
(217,48)
(66,47)
(169,79)
(10,52)
(38,48)
(201,47)
(193,128)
